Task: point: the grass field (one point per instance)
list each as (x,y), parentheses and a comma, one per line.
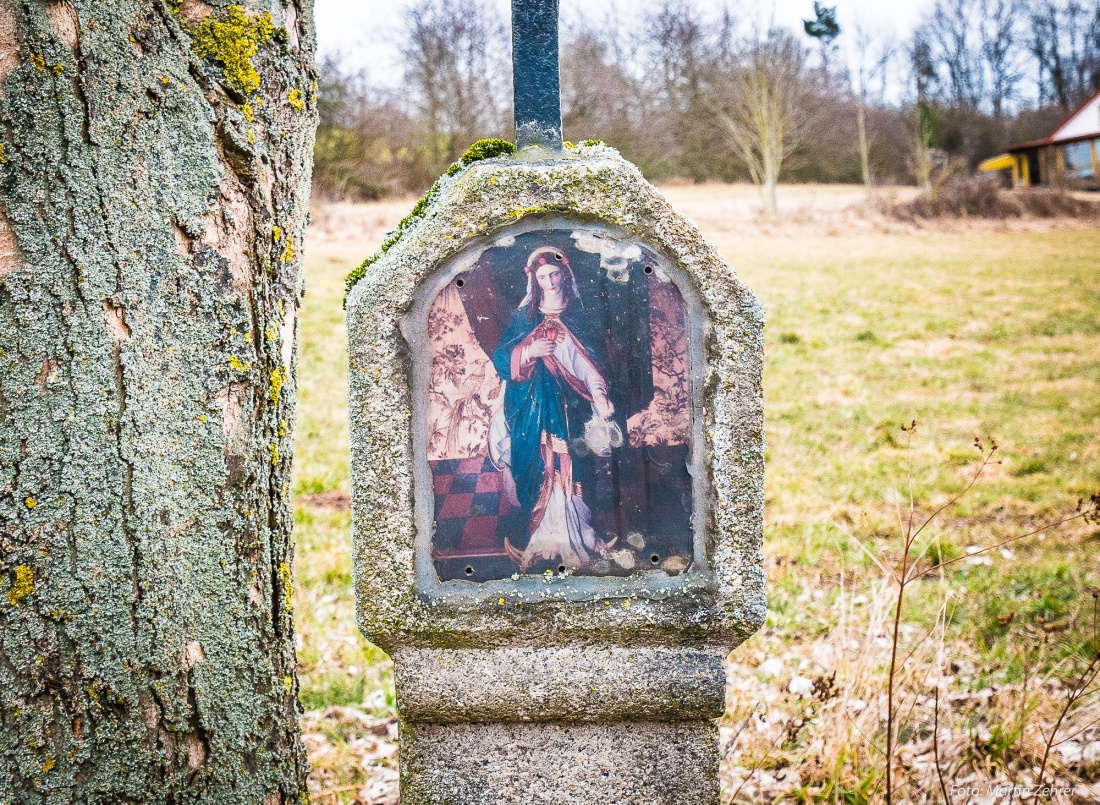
(969,329)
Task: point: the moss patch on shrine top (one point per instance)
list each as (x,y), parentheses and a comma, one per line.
(482,149)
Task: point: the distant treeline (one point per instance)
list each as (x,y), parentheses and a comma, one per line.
(720,97)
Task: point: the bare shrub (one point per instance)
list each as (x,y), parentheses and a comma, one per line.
(982,197)
(758,91)
(1057,203)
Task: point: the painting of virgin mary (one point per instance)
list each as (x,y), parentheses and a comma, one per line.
(556,413)
(551,361)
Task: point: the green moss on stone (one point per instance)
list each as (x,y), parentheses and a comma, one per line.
(233,42)
(482,149)
(487,149)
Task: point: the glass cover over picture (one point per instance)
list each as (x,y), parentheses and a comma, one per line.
(559,411)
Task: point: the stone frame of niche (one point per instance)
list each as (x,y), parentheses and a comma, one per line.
(724,600)
(643,583)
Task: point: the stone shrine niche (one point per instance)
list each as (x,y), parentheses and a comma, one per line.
(555,380)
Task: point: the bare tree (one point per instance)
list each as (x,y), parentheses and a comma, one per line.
(686,94)
(1065,41)
(1001,48)
(978,50)
(457,61)
(679,51)
(923,72)
(951,35)
(362,139)
(677,56)
(600,99)
(759,95)
(873,53)
(1090,63)
(1046,29)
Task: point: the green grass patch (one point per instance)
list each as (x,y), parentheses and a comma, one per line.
(969,334)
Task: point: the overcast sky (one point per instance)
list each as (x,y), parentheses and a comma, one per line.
(357,29)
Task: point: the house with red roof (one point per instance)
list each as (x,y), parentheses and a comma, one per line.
(1068,156)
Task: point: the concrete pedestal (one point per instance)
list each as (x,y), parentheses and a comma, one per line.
(588,724)
(620,763)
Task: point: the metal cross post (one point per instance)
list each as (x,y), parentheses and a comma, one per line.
(535,78)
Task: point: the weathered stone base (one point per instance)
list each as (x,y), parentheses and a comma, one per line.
(625,763)
(560,683)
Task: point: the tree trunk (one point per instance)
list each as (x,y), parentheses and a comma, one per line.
(864,143)
(922,157)
(771,153)
(154,186)
(771,206)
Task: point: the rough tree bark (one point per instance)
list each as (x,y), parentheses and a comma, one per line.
(154,185)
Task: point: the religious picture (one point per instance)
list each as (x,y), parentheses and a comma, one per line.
(558,417)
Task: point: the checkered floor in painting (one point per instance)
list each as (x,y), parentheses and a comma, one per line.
(472,516)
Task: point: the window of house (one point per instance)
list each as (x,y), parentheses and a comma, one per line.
(1078,160)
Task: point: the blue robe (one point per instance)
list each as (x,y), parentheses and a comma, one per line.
(542,402)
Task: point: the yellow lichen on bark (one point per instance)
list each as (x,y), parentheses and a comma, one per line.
(234,41)
(288,586)
(278,377)
(23,586)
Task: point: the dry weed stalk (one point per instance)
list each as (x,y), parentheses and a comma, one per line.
(910,572)
(844,760)
(1082,687)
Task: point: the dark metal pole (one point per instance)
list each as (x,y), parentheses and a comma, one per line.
(535,73)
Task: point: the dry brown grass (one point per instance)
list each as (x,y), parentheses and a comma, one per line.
(810,727)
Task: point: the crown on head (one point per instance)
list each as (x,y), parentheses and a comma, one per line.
(544,255)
